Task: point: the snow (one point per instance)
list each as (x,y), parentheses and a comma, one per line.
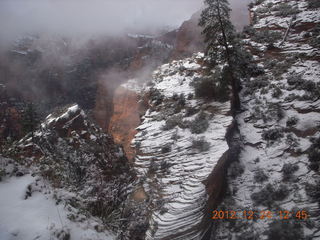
(133,85)
(140,36)
(191,66)
(270,156)
(71,110)
(181,188)
(38,216)
(66,115)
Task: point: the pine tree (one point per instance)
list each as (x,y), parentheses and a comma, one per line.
(220,37)
(30,120)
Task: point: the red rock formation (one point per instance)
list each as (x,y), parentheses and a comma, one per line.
(125,119)
(188,38)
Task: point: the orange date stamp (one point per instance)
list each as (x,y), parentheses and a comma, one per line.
(254,215)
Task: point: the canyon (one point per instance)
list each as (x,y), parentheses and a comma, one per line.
(127,145)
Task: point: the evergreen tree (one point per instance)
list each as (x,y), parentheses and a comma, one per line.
(30,120)
(220,37)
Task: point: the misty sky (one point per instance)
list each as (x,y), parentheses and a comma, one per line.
(89,18)
(92,17)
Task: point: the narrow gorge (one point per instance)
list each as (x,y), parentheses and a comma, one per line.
(134,137)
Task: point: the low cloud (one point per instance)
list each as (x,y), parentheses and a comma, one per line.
(91,17)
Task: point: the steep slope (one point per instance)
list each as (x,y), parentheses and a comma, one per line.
(179,142)
(126,116)
(278,169)
(188,39)
(31,209)
(82,167)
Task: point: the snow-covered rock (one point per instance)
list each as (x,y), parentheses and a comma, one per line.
(173,160)
(80,166)
(278,128)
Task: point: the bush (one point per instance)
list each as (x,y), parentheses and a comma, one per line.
(313,191)
(63,234)
(314,40)
(190,96)
(262,10)
(288,169)
(308,85)
(156,97)
(235,170)
(249,30)
(285,230)
(166,148)
(245,64)
(257,2)
(275,110)
(164,165)
(279,68)
(295,79)
(200,144)
(277,92)
(153,167)
(292,121)
(200,124)
(204,87)
(268,195)
(266,36)
(257,83)
(285,10)
(313,4)
(214,86)
(172,122)
(314,154)
(179,102)
(292,141)
(291,97)
(297,82)
(272,134)
(260,176)
(190,111)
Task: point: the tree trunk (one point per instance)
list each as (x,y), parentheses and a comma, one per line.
(235,100)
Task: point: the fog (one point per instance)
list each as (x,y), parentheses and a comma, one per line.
(88,18)
(77,41)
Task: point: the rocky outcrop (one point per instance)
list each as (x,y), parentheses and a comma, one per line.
(74,154)
(188,39)
(126,118)
(279,129)
(179,142)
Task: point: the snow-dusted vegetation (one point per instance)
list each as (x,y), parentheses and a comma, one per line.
(235,129)
(66,182)
(30,209)
(180,140)
(279,126)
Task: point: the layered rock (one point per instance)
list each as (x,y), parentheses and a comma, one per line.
(173,159)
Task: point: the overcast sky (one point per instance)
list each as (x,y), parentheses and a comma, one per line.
(92,16)
(88,18)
